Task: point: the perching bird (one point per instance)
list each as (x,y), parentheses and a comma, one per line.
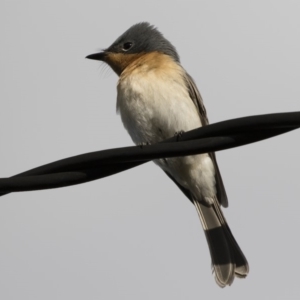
(156,99)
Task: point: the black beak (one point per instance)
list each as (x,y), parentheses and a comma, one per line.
(97,56)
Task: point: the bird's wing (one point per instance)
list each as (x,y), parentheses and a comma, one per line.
(197,99)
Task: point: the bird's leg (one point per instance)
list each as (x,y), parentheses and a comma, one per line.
(178,134)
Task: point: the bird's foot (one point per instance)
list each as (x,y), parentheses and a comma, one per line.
(178,135)
(141,145)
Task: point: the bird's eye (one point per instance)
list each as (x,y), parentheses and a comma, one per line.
(126,46)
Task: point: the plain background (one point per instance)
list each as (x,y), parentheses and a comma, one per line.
(135,235)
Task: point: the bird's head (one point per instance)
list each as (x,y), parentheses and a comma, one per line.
(138,40)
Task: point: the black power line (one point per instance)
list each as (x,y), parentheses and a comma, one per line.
(95,165)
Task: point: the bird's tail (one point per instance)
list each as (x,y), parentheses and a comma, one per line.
(228,260)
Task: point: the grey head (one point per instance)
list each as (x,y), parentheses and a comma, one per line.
(139,38)
(143,37)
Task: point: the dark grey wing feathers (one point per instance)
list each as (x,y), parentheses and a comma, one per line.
(221,192)
(197,99)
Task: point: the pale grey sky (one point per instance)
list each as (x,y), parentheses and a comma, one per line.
(134,235)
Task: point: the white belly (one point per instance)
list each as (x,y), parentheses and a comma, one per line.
(154,108)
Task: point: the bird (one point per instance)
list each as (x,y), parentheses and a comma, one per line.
(157,99)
